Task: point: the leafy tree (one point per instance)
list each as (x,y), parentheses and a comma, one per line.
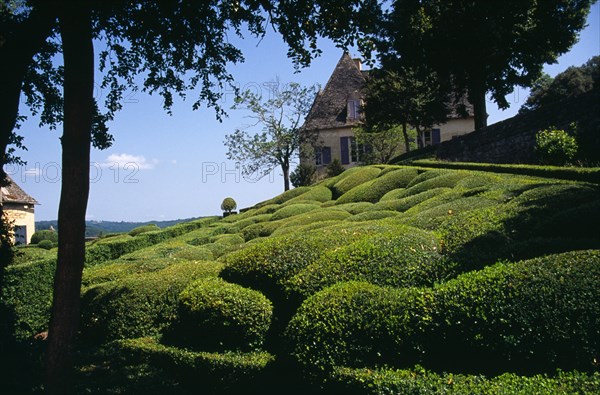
(334,168)
(303,175)
(385,144)
(175,46)
(409,97)
(228,205)
(278,143)
(570,83)
(42,235)
(480,45)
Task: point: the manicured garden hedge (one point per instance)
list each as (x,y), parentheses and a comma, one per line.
(139,305)
(228,372)
(143,229)
(317,193)
(406,203)
(292,210)
(565,173)
(527,317)
(216,315)
(422,382)
(355,208)
(372,191)
(27,295)
(355,178)
(401,257)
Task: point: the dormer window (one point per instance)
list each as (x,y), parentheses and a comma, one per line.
(353,110)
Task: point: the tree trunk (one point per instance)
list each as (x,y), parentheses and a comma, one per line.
(406,139)
(477,98)
(285,167)
(78,52)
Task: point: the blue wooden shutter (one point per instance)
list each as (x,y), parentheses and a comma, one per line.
(326,152)
(435,136)
(345,153)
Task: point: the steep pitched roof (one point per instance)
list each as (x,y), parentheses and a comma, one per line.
(14,194)
(329,109)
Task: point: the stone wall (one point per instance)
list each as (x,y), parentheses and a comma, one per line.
(513,140)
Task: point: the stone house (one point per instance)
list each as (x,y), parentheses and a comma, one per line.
(18,207)
(337,110)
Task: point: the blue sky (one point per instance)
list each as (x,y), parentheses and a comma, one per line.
(168,167)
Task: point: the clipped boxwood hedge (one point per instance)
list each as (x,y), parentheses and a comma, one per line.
(406,203)
(354,179)
(139,305)
(143,229)
(27,294)
(316,193)
(284,197)
(294,209)
(216,315)
(372,215)
(402,257)
(372,191)
(422,382)
(528,317)
(441,179)
(181,370)
(355,208)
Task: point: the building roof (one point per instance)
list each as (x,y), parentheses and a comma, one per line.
(329,110)
(14,194)
(348,82)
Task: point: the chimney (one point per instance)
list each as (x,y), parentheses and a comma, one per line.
(358,63)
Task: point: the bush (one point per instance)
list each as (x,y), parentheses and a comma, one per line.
(355,178)
(267,265)
(392,195)
(422,382)
(303,175)
(292,210)
(42,235)
(358,324)
(555,147)
(401,257)
(434,216)
(528,317)
(216,315)
(406,203)
(372,191)
(284,197)
(46,244)
(138,305)
(321,215)
(372,215)
(355,208)
(143,229)
(532,316)
(185,371)
(316,194)
(433,179)
(27,294)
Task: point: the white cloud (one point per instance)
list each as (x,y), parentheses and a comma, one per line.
(128,160)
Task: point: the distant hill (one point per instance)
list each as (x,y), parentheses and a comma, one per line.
(95,228)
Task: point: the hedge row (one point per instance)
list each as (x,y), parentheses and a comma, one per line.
(401,258)
(266,266)
(228,372)
(316,193)
(528,317)
(112,248)
(422,382)
(372,191)
(139,305)
(292,210)
(564,173)
(353,179)
(27,298)
(216,315)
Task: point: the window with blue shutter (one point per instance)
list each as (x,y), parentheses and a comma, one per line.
(345,153)
(435,136)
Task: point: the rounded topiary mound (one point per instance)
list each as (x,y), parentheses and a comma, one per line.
(143,229)
(42,235)
(403,257)
(527,317)
(354,179)
(372,191)
(46,244)
(294,209)
(217,315)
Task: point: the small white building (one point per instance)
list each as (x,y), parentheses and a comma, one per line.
(19,209)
